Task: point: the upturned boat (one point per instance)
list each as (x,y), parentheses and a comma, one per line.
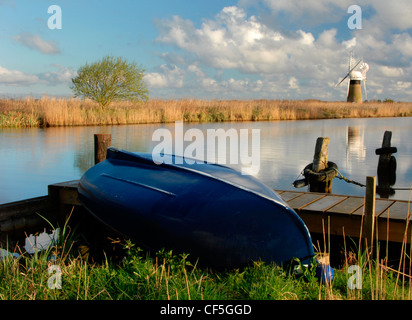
(213,212)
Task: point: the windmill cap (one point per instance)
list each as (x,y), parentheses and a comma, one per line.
(356,75)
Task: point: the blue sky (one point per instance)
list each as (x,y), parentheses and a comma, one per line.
(215,49)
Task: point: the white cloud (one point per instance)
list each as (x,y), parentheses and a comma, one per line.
(35,42)
(305,13)
(168,76)
(396,14)
(62,76)
(390,71)
(196,69)
(387,14)
(286,62)
(231,41)
(293,83)
(403,84)
(403,43)
(16,78)
(51,78)
(351,43)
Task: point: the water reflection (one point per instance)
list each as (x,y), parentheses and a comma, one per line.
(355,145)
(33,158)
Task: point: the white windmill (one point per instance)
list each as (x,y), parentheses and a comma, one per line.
(357,74)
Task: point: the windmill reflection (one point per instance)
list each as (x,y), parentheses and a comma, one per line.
(355,145)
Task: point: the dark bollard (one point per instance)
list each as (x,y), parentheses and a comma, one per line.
(386,166)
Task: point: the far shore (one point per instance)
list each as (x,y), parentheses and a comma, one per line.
(51,112)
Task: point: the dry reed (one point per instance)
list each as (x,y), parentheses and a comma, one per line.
(30,112)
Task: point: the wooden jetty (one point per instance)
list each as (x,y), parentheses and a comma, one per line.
(322,212)
(344,215)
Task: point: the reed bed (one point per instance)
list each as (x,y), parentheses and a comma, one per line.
(30,112)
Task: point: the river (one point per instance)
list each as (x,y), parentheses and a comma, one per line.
(31,159)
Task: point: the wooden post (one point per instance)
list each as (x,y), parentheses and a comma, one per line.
(320,163)
(101,143)
(384,158)
(386,166)
(320,159)
(369,214)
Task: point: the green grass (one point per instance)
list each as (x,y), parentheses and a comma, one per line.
(138,276)
(133,274)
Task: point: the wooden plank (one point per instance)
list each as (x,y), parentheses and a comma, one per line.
(304,200)
(348,205)
(24,207)
(359,211)
(325,203)
(380,206)
(18,216)
(289,195)
(65,192)
(398,210)
(338,223)
(397,229)
(67,184)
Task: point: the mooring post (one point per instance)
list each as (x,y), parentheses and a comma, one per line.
(320,159)
(385,153)
(101,142)
(320,163)
(369,214)
(386,166)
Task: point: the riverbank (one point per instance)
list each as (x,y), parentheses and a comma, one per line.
(137,276)
(51,112)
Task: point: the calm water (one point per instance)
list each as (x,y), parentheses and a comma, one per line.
(31,159)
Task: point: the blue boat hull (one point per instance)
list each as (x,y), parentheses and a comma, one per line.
(209,211)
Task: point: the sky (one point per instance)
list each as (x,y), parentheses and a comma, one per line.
(215,49)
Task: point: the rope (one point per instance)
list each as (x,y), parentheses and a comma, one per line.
(342,177)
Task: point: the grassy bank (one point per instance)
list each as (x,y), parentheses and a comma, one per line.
(31,112)
(167,276)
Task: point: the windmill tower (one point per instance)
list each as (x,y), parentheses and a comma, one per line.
(357,74)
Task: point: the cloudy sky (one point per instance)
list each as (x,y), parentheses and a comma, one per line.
(214,49)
